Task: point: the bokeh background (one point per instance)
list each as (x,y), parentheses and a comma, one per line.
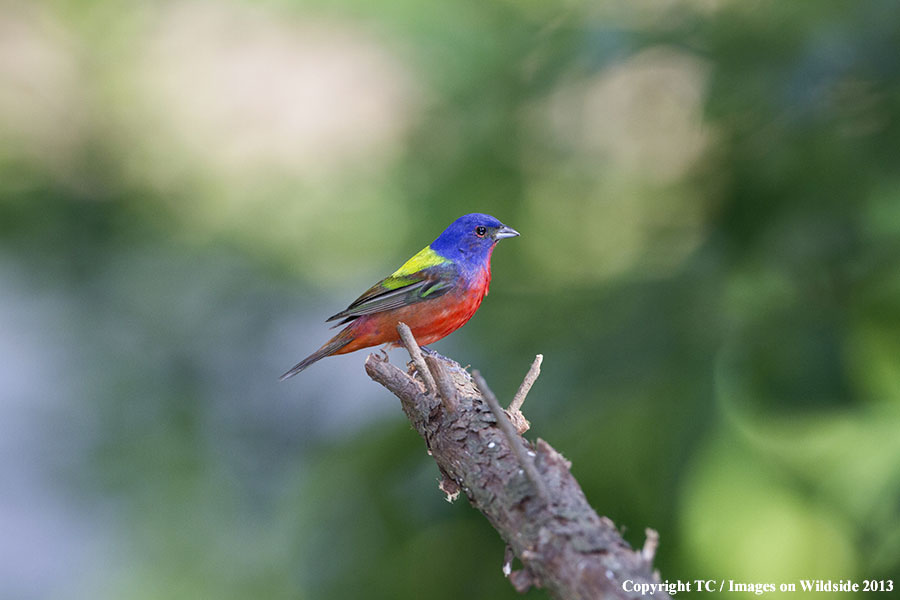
(709,198)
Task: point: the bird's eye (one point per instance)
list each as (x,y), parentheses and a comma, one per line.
(480,231)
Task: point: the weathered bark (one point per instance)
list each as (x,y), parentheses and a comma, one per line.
(549,525)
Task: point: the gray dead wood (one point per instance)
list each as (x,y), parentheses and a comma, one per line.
(563,545)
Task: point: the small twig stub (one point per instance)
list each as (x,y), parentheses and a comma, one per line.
(415,353)
(533,372)
(515,407)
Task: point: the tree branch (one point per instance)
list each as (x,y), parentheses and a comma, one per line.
(540,511)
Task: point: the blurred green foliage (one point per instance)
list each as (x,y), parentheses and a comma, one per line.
(709,199)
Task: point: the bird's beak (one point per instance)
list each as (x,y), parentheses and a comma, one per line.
(505,232)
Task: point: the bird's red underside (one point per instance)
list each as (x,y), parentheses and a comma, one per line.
(429,321)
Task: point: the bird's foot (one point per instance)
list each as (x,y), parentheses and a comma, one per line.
(430,352)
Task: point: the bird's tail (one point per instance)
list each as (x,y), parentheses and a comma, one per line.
(330,347)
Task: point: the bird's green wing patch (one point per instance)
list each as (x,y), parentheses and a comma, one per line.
(404,287)
(424,259)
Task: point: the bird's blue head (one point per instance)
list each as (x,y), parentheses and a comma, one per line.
(471,238)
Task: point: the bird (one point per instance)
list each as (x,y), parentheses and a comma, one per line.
(435,292)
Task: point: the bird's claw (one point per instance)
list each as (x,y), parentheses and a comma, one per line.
(430,352)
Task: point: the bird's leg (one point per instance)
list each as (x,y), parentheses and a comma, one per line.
(384,354)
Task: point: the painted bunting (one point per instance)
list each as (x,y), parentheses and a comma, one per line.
(435,292)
